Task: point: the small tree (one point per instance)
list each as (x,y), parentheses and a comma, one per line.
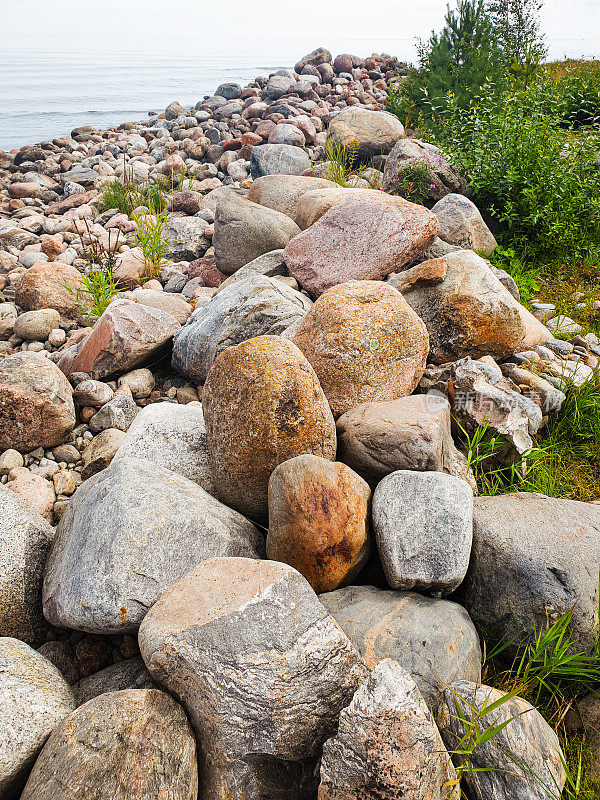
(517,27)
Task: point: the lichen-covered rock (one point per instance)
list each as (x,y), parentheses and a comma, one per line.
(127,335)
(262,405)
(25,539)
(387,745)
(523,761)
(533,559)
(373,133)
(36,403)
(365,344)
(432,639)
(135,744)
(34,699)
(423,525)
(170,436)
(362,238)
(319,520)
(51,285)
(256,306)
(129,532)
(245,230)
(261,669)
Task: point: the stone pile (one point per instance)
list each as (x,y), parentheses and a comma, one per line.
(240,551)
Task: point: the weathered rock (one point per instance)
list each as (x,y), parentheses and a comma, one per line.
(319,520)
(533,559)
(278,159)
(269,265)
(139,381)
(311,205)
(36,403)
(128,674)
(315,58)
(536,388)
(129,532)
(472,314)
(432,639)
(261,668)
(34,699)
(365,344)
(36,325)
(427,273)
(25,539)
(245,230)
(135,744)
(362,238)
(130,268)
(523,761)
(409,433)
(461,224)
(92,393)
(387,745)
(118,413)
(186,237)
(127,335)
(169,302)
(52,285)
(282,192)
(173,437)
(444,178)
(482,396)
(255,307)
(374,132)
(423,525)
(101,450)
(36,491)
(263,405)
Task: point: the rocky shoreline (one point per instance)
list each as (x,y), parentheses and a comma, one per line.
(241,553)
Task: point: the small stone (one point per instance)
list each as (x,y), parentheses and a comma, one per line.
(37,325)
(36,491)
(101,450)
(128,674)
(92,393)
(66,452)
(65,482)
(140,381)
(117,413)
(10,459)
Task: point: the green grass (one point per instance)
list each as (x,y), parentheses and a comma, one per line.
(125,194)
(151,238)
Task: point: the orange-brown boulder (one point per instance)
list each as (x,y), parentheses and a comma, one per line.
(365,343)
(51,285)
(262,405)
(319,520)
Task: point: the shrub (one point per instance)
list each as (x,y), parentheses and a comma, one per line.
(151,238)
(100,286)
(414,180)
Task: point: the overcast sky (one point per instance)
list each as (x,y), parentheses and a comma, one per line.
(268,25)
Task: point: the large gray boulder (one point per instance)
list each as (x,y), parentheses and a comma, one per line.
(282,192)
(25,539)
(434,640)
(130,532)
(128,674)
(34,699)
(524,761)
(278,159)
(461,224)
(245,230)
(135,745)
(373,133)
(269,265)
(256,306)
(387,745)
(261,668)
(423,525)
(534,558)
(172,436)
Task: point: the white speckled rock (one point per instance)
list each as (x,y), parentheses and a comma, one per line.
(34,699)
(261,668)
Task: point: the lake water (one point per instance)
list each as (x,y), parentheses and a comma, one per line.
(46,94)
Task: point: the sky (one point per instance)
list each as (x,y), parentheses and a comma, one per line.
(266,25)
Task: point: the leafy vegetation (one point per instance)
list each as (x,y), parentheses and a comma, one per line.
(414,180)
(341,165)
(151,238)
(100,285)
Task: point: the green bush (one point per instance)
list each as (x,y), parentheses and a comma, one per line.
(414,180)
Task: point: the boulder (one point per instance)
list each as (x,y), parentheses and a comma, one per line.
(135,744)
(362,238)
(261,668)
(128,674)
(408,433)
(36,403)
(263,405)
(118,413)
(312,204)
(256,306)
(523,761)
(423,525)
(36,491)
(168,302)
(315,58)
(285,133)
(387,745)
(34,699)
(364,343)
(25,539)
(461,224)
(269,265)
(319,520)
(372,133)
(245,230)
(282,192)
(427,273)
(533,559)
(472,314)
(52,285)
(432,639)
(444,178)
(171,436)
(128,533)
(127,335)
(36,325)
(186,237)
(278,159)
